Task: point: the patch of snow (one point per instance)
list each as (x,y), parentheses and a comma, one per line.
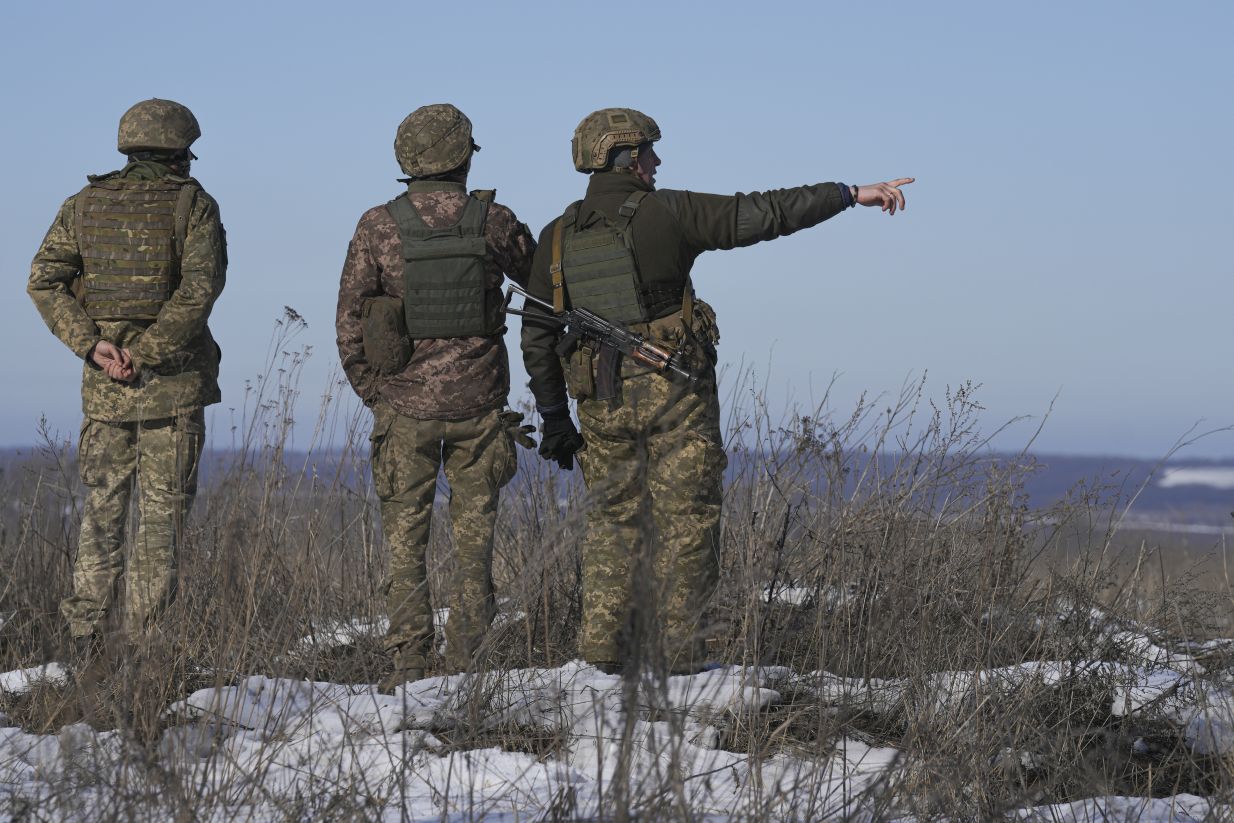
(1216,477)
(22,680)
(1181,808)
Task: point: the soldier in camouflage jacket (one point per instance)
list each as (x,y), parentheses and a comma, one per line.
(126,278)
(436,376)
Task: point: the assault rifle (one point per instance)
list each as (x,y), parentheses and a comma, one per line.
(610,339)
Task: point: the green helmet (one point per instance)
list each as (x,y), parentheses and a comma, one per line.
(608,129)
(432,140)
(154,125)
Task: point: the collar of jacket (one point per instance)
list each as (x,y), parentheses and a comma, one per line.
(416,186)
(139,170)
(610,182)
(147,170)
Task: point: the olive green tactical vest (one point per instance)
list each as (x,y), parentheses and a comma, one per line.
(598,264)
(445,287)
(131,237)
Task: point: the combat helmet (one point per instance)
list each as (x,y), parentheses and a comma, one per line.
(432,140)
(602,131)
(157,125)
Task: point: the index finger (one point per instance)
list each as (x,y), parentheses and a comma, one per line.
(902,181)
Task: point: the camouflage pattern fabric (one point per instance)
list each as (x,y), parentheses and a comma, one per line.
(664,441)
(160,457)
(449,378)
(157,124)
(175,354)
(478,455)
(433,139)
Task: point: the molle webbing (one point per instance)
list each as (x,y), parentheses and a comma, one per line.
(596,264)
(445,288)
(131,237)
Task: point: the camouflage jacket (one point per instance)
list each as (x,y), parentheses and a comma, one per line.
(669,231)
(446,379)
(175,354)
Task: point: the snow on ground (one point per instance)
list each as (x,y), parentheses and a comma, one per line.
(262,746)
(269,748)
(22,680)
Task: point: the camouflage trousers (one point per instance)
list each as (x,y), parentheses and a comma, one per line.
(479,458)
(159,457)
(654,470)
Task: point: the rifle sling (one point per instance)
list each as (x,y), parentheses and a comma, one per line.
(559,291)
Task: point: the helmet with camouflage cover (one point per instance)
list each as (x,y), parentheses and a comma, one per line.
(433,139)
(157,125)
(602,131)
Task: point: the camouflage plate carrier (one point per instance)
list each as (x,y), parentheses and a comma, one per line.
(131,237)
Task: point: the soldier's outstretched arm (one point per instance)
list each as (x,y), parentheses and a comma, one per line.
(56,264)
(713,221)
(203,272)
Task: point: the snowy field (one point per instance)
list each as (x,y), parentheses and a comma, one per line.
(278,749)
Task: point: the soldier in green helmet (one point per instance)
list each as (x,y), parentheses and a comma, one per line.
(126,278)
(420,330)
(625,252)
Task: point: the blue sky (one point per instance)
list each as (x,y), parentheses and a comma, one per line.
(1068,233)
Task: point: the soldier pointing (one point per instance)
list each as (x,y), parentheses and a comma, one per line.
(625,252)
(126,278)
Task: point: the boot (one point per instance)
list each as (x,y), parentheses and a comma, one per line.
(405,668)
(89,658)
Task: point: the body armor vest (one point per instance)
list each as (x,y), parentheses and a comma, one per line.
(599,272)
(131,237)
(445,285)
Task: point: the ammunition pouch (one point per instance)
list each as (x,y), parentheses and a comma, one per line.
(383,327)
(579,371)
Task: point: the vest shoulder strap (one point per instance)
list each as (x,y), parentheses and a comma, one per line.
(412,228)
(625,212)
(568,218)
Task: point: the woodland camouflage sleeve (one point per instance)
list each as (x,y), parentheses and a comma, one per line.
(511,243)
(55,265)
(203,271)
(361,279)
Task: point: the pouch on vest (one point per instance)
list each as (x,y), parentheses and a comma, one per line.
(387,346)
(579,372)
(445,285)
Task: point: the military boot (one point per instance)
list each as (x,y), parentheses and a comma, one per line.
(89,658)
(405,668)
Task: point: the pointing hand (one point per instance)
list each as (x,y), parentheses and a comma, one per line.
(887,195)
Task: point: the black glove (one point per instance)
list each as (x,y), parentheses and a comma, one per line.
(510,421)
(559,441)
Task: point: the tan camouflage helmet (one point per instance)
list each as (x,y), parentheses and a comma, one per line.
(608,129)
(157,125)
(432,140)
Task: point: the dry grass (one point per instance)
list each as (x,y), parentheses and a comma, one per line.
(918,552)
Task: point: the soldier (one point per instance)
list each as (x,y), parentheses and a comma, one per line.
(420,336)
(126,278)
(625,252)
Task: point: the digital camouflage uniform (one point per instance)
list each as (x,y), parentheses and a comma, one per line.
(150,432)
(442,409)
(662,438)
